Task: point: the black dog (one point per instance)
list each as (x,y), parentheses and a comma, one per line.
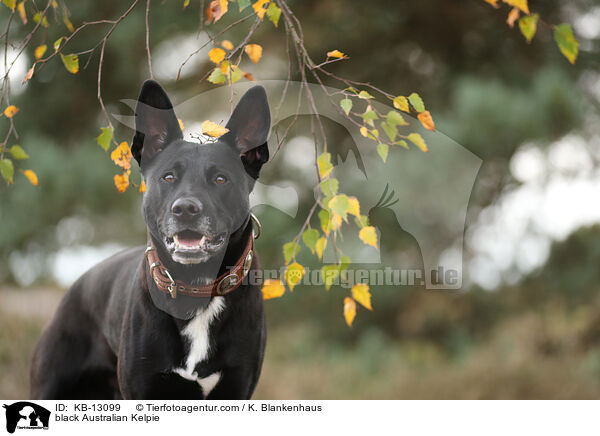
(177,320)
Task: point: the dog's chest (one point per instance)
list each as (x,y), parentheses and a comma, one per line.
(197,333)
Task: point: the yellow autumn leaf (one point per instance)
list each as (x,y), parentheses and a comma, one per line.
(254,52)
(360,292)
(368,235)
(426,120)
(521,4)
(143,187)
(293,274)
(320,246)
(31,176)
(11,111)
(121,156)
(259,8)
(364,131)
(216,55)
(335,222)
(226,44)
(22,13)
(335,54)
(29,75)
(68,24)
(216,9)
(39,51)
(494,3)
(401,103)
(349,310)
(354,208)
(513,16)
(272,289)
(213,129)
(180,123)
(122,181)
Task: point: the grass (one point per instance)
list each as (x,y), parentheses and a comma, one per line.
(537,353)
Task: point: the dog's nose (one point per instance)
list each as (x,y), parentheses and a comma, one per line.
(186,206)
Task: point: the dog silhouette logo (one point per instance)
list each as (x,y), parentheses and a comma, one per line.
(26,415)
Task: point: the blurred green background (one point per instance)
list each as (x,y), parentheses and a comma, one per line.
(526,323)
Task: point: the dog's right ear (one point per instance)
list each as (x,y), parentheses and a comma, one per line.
(156,125)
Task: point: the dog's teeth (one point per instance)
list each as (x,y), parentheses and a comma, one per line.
(202,241)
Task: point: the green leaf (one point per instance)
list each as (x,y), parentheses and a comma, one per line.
(417,102)
(401,143)
(57,43)
(329,187)
(340,205)
(273,12)
(105,137)
(568,45)
(394,118)
(369,116)
(391,131)
(37,17)
(344,262)
(382,151)
(10,4)
(236,74)
(329,274)
(362,221)
(528,25)
(346,105)
(310,238)
(365,95)
(71,62)
(217,77)
(18,153)
(418,140)
(7,170)
(324,164)
(290,251)
(243,4)
(324,220)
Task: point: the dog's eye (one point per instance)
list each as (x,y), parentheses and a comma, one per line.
(169,177)
(220,179)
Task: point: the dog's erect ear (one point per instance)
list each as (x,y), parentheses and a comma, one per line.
(248,129)
(156,125)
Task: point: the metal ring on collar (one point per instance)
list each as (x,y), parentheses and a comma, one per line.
(256,223)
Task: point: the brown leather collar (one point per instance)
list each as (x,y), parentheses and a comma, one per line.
(227,282)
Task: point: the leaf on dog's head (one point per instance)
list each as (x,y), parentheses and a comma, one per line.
(213,129)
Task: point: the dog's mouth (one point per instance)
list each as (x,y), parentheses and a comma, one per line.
(193,245)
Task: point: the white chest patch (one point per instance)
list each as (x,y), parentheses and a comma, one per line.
(197,333)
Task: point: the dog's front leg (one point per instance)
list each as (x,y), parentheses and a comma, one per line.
(234,384)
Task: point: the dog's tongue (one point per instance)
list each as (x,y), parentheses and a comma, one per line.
(189,239)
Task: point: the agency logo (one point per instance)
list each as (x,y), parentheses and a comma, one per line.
(26,415)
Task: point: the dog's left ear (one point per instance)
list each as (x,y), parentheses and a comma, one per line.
(248,129)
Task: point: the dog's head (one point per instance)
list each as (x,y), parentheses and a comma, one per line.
(197,194)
